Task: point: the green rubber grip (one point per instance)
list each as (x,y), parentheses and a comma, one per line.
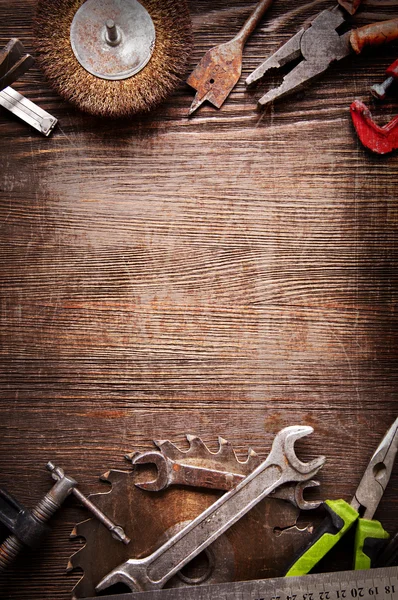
(369,541)
(341,516)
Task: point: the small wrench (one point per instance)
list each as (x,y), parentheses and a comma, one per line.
(170,472)
(281,466)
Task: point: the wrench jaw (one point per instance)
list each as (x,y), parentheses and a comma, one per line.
(301,502)
(284,447)
(160,461)
(295,494)
(131,573)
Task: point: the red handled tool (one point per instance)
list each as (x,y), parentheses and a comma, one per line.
(379,90)
(380,140)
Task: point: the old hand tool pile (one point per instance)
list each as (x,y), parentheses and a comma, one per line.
(280,480)
(115,58)
(316,46)
(191,521)
(281,466)
(244,552)
(319,46)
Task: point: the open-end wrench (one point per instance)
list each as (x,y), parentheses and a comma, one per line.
(281,466)
(171,472)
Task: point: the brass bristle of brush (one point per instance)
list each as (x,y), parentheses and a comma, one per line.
(139,93)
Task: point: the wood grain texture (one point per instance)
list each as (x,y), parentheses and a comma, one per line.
(228,274)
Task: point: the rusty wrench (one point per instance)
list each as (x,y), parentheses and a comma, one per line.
(281,466)
(171,472)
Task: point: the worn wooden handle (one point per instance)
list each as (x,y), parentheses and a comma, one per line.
(374,35)
(253,20)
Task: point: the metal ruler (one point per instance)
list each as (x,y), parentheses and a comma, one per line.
(376,584)
(27,111)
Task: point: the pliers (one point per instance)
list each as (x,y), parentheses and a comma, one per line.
(370,537)
(318,46)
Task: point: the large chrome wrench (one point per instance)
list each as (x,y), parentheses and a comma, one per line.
(281,466)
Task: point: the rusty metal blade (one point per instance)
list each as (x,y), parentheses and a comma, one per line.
(220,69)
(217,74)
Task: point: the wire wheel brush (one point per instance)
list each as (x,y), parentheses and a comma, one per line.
(113,58)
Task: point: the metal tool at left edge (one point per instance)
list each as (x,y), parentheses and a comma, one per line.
(14,62)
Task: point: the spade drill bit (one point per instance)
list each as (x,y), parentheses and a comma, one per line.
(219,70)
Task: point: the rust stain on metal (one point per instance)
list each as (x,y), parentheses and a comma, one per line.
(217,73)
(376,34)
(219,70)
(256,551)
(351,6)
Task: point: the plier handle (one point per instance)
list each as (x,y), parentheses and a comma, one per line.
(370,536)
(317,47)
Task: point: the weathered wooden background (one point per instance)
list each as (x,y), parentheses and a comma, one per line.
(228,274)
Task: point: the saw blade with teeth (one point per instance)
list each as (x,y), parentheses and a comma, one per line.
(198,450)
(198,454)
(256,547)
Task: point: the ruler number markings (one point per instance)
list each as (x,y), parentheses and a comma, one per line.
(368,590)
(376,584)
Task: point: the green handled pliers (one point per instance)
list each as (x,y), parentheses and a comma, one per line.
(370,536)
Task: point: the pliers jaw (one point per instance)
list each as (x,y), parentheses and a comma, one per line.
(376,477)
(319,45)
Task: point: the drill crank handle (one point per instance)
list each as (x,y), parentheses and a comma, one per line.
(375,34)
(253,21)
(69,486)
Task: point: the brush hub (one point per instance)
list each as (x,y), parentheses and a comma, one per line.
(113,35)
(112,39)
